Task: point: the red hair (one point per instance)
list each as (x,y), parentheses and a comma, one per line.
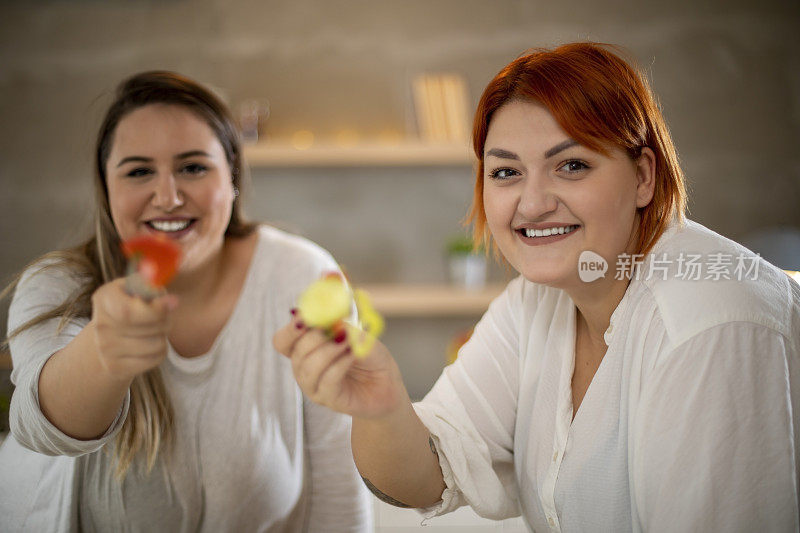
(598,99)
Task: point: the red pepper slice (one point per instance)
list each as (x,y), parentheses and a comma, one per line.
(156,257)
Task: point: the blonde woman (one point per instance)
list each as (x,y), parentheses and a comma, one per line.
(174,414)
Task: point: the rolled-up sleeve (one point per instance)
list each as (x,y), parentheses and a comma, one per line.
(40,290)
(714,448)
(471,414)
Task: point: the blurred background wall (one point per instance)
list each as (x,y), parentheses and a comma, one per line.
(727,74)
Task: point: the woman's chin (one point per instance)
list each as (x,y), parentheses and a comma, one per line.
(556,279)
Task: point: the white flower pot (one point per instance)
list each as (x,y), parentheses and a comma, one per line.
(468,270)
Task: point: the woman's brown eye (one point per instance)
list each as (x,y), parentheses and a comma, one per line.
(194,168)
(574,166)
(138,172)
(503,173)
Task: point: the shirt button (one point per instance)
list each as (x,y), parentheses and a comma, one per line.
(607,335)
(551,521)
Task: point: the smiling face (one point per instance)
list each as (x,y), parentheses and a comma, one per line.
(167,173)
(548,198)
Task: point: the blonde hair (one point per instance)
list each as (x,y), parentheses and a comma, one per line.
(148,428)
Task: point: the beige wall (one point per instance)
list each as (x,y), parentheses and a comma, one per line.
(727,73)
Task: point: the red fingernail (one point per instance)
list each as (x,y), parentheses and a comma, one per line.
(340,337)
(300,325)
(293,310)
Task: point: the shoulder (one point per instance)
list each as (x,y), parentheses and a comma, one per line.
(700,279)
(288,261)
(43,287)
(282,248)
(48,278)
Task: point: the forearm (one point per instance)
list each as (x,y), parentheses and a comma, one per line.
(75,392)
(396,457)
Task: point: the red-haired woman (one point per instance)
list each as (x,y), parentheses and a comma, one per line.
(643,372)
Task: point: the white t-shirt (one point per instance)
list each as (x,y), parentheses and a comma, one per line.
(251,452)
(690,423)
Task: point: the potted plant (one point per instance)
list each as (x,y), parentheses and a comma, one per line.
(466,264)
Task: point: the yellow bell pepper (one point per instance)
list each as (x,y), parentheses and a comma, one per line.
(327,303)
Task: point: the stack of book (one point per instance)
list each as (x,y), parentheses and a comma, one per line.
(440,102)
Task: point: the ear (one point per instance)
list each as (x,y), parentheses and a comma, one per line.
(645,177)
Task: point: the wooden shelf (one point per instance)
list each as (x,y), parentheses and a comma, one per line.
(269,155)
(431,300)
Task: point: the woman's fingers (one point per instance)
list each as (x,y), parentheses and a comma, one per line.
(330,382)
(156,311)
(309,370)
(285,338)
(133,311)
(130,333)
(312,347)
(130,357)
(309,341)
(126,345)
(311,351)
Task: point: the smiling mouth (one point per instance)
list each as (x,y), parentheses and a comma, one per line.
(533,233)
(170,226)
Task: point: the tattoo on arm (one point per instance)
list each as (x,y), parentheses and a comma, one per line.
(383,497)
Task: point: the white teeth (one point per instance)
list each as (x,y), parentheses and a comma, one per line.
(549,231)
(169,225)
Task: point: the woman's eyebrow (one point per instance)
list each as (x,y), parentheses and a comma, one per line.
(142,159)
(192,153)
(135,159)
(503,154)
(569,143)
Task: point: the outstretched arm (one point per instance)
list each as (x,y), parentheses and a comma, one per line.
(390,444)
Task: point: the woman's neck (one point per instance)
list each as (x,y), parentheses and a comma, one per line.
(597,300)
(596,303)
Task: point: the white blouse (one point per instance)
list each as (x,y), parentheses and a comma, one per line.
(690,423)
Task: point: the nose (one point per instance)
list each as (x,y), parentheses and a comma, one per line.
(537,198)
(166,195)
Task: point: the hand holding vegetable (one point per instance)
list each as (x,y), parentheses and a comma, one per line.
(131,316)
(360,377)
(327,303)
